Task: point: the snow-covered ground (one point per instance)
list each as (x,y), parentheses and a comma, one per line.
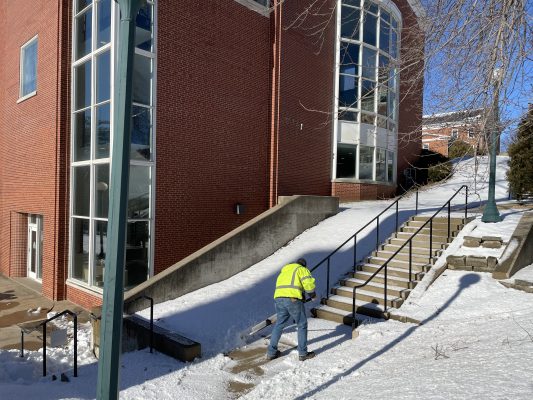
(475,339)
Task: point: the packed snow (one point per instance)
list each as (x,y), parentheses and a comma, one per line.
(473,339)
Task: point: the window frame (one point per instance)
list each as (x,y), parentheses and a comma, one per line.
(23,96)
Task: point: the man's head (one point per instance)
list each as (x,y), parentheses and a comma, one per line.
(302,262)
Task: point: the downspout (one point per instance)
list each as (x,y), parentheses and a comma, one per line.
(275,105)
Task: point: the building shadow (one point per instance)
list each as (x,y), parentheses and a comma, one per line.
(465,282)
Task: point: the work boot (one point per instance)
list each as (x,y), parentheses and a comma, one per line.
(269,357)
(310,354)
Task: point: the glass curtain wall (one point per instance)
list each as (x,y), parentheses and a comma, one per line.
(368,84)
(92,70)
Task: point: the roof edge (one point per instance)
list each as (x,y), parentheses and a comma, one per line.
(418,8)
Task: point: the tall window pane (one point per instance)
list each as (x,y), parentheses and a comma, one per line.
(82,135)
(83,34)
(142,79)
(367,95)
(346,160)
(349,58)
(348,88)
(100,249)
(141,133)
(80,249)
(366,162)
(369,63)
(384,37)
(81,188)
(103,77)
(82,87)
(103,127)
(28,76)
(139,192)
(390,166)
(137,253)
(350,23)
(380,165)
(101,192)
(103,24)
(144,28)
(370,29)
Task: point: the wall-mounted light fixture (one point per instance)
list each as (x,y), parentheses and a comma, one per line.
(239,208)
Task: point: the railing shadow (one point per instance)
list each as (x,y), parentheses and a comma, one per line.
(465,282)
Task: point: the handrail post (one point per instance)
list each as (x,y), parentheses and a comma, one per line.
(385,290)
(377,233)
(44,349)
(430,239)
(466,203)
(416,209)
(410,259)
(449,206)
(327,280)
(354,252)
(75,345)
(397,202)
(151,324)
(21,343)
(353,307)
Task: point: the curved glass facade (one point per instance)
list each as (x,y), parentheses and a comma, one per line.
(368,86)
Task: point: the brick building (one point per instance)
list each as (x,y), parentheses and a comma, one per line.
(440,131)
(230,106)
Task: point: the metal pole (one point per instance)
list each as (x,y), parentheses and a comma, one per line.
(44,349)
(151,324)
(377,233)
(327,293)
(21,343)
(354,253)
(491,213)
(397,202)
(416,209)
(113,297)
(75,345)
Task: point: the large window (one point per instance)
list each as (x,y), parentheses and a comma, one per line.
(92,125)
(28,68)
(368,85)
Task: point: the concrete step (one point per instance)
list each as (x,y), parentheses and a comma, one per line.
(423,238)
(418,258)
(418,243)
(377,287)
(427,230)
(344,304)
(417,274)
(416,266)
(380,278)
(453,220)
(333,314)
(424,251)
(436,224)
(368,296)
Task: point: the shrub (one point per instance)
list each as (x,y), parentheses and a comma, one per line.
(459,149)
(437,173)
(520,174)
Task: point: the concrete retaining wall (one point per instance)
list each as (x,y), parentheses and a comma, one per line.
(237,250)
(519,251)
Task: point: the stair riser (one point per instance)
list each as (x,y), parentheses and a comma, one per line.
(415,250)
(416,275)
(421,245)
(359,310)
(392,300)
(415,258)
(397,263)
(418,241)
(453,220)
(443,226)
(375,289)
(428,230)
(381,279)
(339,319)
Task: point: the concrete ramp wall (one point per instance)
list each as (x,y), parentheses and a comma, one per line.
(237,250)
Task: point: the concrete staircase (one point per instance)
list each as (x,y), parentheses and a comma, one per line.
(370,299)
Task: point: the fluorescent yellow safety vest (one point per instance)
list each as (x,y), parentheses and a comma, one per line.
(293,280)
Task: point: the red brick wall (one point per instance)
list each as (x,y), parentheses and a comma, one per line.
(411,91)
(34,131)
(84,298)
(347,191)
(212,134)
(306,89)
(440,145)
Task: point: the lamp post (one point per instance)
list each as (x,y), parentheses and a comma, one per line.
(491,213)
(113,298)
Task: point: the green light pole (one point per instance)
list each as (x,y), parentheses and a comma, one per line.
(113,299)
(491,213)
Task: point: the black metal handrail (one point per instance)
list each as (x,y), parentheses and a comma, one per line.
(354,237)
(410,241)
(43,324)
(151,316)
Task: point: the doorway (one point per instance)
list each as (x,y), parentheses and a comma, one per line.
(35,246)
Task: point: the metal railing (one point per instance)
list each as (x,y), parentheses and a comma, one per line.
(43,324)
(376,219)
(410,241)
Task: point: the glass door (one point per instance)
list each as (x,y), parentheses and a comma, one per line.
(34,246)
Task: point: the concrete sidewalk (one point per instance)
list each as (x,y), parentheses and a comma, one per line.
(19,303)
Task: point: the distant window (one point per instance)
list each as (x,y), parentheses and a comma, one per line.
(455,133)
(28,68)
(470,133)
(425,146)
(263,2)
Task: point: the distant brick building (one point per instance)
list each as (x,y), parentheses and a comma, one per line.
(440,131)
(228,108)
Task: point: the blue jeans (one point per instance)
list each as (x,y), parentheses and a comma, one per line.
(286,311)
